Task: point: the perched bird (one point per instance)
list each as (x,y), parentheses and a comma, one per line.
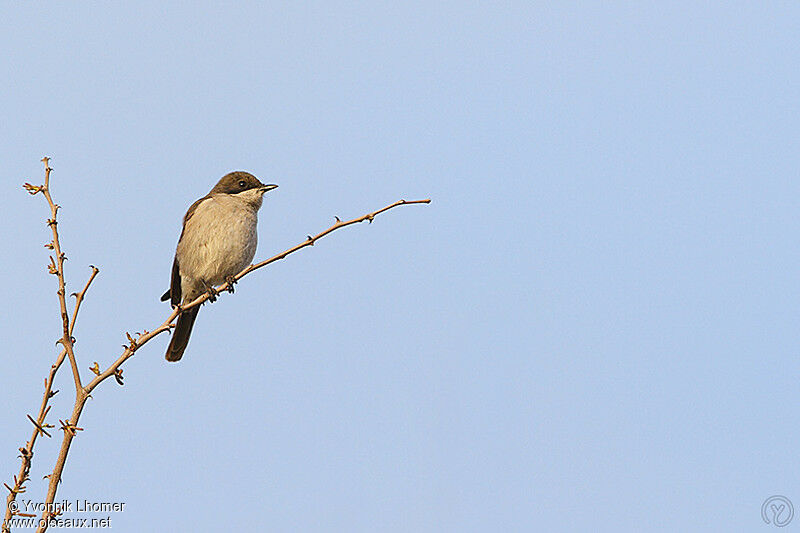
(217,242)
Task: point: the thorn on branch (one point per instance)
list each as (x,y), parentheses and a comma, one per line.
(95,369)
(52,222)
(48,476)
(311,240)
(60,341)
(49,245)
(370,218)
(338,220)
(118,376)
(52,393)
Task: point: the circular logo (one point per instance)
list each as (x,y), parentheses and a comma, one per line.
(777,510)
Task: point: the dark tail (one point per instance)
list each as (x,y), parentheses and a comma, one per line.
(180,337)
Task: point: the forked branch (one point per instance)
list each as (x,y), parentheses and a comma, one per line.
(67,341)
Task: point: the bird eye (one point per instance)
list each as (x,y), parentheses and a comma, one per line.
(242,183)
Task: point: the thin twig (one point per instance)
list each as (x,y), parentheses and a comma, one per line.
(146,336)
(79,297)
(58,270)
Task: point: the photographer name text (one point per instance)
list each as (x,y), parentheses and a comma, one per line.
(70,506)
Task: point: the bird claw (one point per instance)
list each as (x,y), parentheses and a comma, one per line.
(231,281)
(211,291)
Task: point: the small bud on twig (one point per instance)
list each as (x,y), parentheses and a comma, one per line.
(66,426)
(32,189)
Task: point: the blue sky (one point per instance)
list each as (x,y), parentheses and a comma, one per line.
(593,327)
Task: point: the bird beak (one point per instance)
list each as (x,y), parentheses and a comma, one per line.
(267,188)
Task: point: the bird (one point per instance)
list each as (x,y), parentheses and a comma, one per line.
(218,240)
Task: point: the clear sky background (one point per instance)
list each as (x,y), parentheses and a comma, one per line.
(593,327)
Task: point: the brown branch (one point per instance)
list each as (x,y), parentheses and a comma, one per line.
(80,295)
(70,427)
(145,337)
(57,268)
(26,452)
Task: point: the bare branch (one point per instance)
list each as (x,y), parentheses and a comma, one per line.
(79,297)
(145,337)
(57,268)
(26,452)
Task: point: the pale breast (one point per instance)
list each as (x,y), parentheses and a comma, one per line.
(219,239)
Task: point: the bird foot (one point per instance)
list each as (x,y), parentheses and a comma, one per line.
(211,291)
(231,281)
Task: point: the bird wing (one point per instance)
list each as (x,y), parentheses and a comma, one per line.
(174,292)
